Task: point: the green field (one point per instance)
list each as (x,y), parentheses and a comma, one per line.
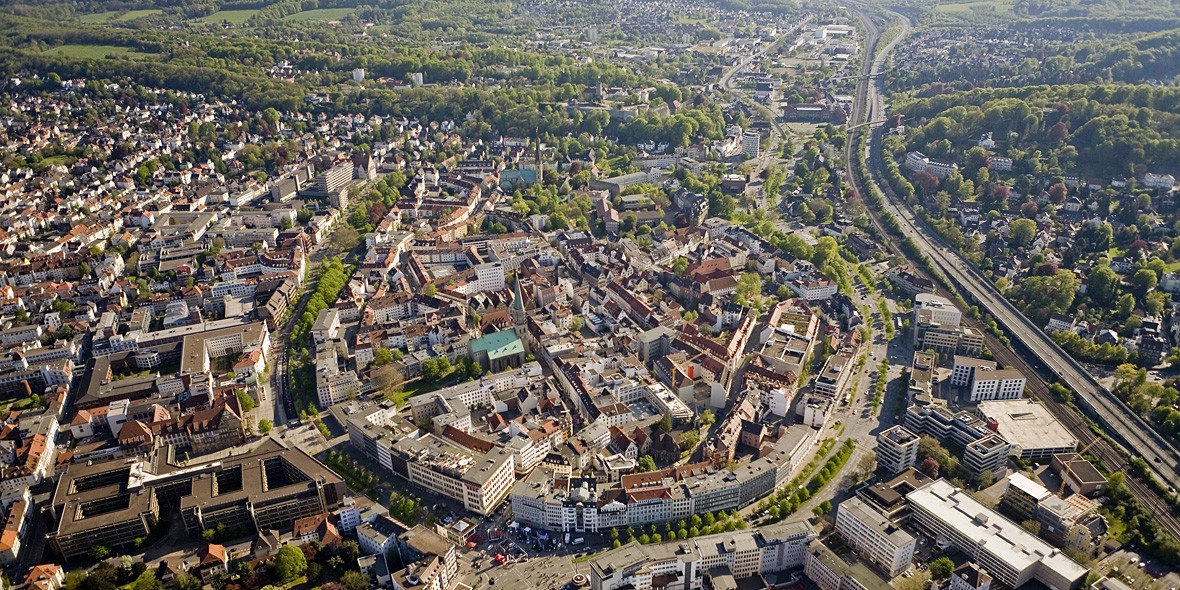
(233,17)
(94,51)
(116,16)
(976,8)
(322,14)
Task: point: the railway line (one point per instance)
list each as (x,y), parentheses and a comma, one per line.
(1134,431)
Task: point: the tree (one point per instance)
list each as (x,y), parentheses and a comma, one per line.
(382,356)
(289,563)
(344,239)
(749,290)
(264,426)
(429,290)
(1103,285)
(244,400)
(435,368)
(942,568)
(666,422)
(1022,232)
(680,265)
(929,466)
(1124,307)
(707,417)
(1031,526)
(354,580)
(1143,281)
(645,464)
(147,581)
(187,581)
(1058,193)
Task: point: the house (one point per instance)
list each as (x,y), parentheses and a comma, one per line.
(317,528)
(45,577)
(1059,322)
(213,561)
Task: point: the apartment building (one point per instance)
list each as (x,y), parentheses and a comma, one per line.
(874,537)
(703,562)
(834,376)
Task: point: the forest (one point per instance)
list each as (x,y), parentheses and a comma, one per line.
(1089,130)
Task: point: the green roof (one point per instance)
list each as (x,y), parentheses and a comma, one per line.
(498,344)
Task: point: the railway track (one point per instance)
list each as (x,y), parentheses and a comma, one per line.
(1110,456)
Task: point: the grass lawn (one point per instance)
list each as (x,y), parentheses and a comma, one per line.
(418,387)
(94,51)
(115,16)
(323,14)
(233,17)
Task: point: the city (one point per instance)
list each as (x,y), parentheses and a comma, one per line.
(692,295)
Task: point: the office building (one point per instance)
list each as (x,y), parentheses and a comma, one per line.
(1009,553)
(431,561)
(985,382)
(831,572)
(115,502)
(920,389)
(1022,496)
(834,376)
(897,450)
(987,455)
(874,537)
(751,144)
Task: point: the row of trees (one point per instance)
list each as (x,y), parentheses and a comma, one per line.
(708,524)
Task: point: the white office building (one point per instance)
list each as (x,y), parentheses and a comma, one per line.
(1009,553)
(874,537)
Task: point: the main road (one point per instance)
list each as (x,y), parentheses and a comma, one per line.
(1118,420)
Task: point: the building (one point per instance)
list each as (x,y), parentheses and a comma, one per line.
(751,144)
(988,455)
(920,389)
(498,351)
(1078,474)
(834,376)
(874,537)
(985,382)
(1022,496)
(919,162)
(831,572)
(908,282)
(969,577)
(115,502)
(937,327)
(577,504)
(1032,430)
(431,561)
(480,480)
(897,450)
(702,562)
(1012,555)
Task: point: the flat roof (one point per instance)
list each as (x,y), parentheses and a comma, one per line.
(1027,424)
(985,528)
